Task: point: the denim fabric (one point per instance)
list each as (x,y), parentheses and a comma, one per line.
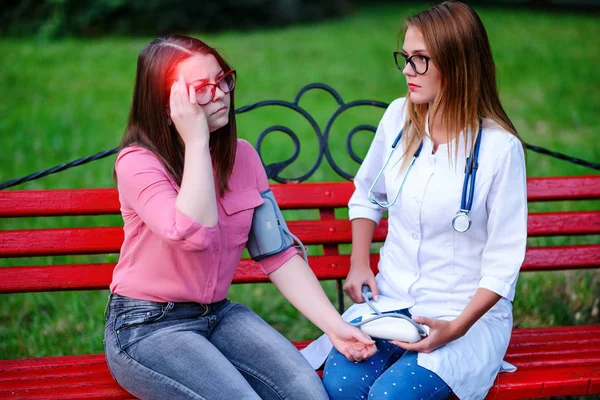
(194,351)
(392,373)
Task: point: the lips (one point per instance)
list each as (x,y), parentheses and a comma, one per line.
(412,86)
(224,108)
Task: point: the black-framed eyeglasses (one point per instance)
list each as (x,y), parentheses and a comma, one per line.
(206,93)
(418,62)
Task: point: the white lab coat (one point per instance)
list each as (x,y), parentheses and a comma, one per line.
(431,269)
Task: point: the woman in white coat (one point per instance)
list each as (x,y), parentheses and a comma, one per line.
(457,228)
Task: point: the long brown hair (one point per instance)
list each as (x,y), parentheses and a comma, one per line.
(148,125)
(460,49)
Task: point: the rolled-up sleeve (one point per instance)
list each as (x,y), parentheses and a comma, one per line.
(146,188)
(359,205)
(272,263)
(506,205)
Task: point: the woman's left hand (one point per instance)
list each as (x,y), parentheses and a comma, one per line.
(440,333)
(353,343)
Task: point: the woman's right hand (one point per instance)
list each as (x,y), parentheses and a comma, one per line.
(358,276)
(353,343)
(188,117)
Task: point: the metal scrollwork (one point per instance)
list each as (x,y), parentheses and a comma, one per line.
(274,169)
(343,107)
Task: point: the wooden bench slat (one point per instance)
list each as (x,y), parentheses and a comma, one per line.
(584,355)
(15,378)
(99,240)
(575,339)
(37,203)
(105,392)
(98,276)
(549,333)
(34,203)
(535,346)
(56,278)
(53,242)
(561,258)
(40,363)
(563,188)
(563,223)
(543,355)
(313,195)
(544,383)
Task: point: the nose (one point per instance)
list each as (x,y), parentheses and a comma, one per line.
(218,94)
(408,70)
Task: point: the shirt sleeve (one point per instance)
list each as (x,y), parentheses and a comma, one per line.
(145,186)
(271,263)
(506,205)
(359,205)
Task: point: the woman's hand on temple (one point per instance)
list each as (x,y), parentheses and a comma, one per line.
(440,333)
(353,343)
(186,114)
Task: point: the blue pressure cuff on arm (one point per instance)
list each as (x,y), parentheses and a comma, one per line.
(269,233)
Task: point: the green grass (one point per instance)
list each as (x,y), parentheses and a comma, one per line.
(70,98)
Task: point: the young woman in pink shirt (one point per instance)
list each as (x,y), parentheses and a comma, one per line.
(188,188)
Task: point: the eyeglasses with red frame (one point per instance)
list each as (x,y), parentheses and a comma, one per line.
(206,93)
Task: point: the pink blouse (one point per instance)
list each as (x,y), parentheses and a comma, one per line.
(167,256)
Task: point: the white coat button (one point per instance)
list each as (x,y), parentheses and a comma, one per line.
(417,199)
(415,236)
(210,284)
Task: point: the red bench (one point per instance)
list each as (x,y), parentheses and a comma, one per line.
(551,361)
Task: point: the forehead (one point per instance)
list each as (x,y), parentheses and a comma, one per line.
(199,67)
(413,40)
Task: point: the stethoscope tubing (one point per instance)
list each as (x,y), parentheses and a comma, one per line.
(468,191)
(466,202)
(386,204)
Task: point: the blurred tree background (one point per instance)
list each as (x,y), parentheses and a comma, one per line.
(157,17)
(57,18)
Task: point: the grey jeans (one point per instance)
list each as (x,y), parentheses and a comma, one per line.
(195,351)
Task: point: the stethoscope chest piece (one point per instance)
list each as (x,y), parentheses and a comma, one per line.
(461,222)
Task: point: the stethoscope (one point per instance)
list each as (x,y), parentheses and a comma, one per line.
(461,221)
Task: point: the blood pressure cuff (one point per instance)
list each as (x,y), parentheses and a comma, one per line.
(269,233)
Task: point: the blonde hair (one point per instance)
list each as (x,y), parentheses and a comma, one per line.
(459,47)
